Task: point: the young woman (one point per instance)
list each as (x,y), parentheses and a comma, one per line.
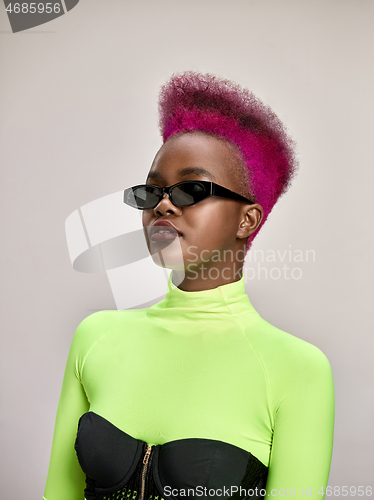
(197,395)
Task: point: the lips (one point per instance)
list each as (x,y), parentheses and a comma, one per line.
(163,230)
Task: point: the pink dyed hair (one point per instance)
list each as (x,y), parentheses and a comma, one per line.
(194,101)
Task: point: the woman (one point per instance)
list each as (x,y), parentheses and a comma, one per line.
(198,395)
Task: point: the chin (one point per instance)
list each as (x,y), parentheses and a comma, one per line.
(168,255)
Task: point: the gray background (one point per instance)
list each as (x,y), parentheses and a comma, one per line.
(79,121)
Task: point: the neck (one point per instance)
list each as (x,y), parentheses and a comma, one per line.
(222,301)
(207,278)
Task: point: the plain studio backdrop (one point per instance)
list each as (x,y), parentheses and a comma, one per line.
(79,122)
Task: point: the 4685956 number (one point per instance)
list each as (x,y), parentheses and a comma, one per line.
(345,491)
(34,8)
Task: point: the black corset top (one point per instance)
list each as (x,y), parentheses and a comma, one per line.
(121,467)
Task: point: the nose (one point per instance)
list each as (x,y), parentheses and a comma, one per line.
(165,206)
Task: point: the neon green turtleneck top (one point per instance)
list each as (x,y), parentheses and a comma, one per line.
(199,364)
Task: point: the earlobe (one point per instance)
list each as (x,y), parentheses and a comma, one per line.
(252,218)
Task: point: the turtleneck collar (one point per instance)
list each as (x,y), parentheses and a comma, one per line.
(228,299)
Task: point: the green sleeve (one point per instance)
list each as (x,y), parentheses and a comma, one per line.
(66,480)
(303,430)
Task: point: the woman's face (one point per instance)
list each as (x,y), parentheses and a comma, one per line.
(212,225)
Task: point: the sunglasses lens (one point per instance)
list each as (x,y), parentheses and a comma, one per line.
(146,197)
(188,194)
(142,197)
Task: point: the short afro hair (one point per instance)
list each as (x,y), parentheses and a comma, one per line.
(192,101)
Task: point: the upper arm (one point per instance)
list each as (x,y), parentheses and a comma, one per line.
(66,480)
(303,429)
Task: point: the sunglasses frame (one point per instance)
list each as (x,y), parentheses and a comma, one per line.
(211,187)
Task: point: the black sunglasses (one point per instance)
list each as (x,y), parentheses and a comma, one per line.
(182,194)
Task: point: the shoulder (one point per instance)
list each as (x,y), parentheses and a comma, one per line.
(283,352)
(99,324)
(296,370)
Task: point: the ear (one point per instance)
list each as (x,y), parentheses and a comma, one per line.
(251,218)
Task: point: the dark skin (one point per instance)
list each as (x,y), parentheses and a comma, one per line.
(210,252)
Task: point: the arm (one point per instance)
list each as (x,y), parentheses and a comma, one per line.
(303,430)
(66,480)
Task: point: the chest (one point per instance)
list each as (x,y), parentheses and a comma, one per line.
(162,385)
